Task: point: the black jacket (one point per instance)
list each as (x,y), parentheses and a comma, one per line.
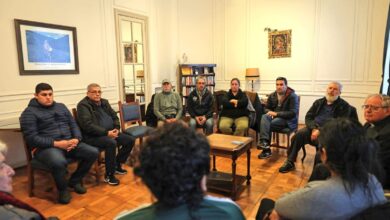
(289,108)
(381,133)
(228,109)
(341,108)
(200,105)
(88,118)
(42,125)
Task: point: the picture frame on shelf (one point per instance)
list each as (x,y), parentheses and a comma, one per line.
(279,44)
(46,48)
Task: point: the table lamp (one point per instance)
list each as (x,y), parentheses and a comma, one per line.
(252,74)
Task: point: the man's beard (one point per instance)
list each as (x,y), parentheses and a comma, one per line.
(331,98)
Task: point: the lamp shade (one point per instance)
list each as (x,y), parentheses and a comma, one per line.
(252,73)
(140,74)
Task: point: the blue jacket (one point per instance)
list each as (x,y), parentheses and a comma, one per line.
(42,125)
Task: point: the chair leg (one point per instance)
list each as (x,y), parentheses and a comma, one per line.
(30,180)
(97,171)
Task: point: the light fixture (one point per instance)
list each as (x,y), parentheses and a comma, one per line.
(252,74)
(140,74)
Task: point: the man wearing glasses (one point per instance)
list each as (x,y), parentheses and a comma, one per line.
(100,126)
(377,114)
(199,106)
(323,109)
(53,136)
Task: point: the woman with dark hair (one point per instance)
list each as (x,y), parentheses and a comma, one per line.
(173,164)
(349,155)
(234,110)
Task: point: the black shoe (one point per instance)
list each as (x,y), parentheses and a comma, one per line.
(266,153)
(64,197)
(287,167)
(120,171)
(263,145)
(111,179)
(78,188)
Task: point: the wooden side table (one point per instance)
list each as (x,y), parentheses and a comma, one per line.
(232,147)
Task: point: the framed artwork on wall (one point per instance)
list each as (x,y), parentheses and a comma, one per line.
(279,44)
(46,48)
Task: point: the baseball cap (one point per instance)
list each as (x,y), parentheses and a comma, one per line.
(166,81)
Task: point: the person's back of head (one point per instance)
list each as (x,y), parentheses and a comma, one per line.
(349,152)
(173,161)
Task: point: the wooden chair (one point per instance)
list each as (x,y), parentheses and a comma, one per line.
(100,160)
(33,165)
(130,114)
(287,132)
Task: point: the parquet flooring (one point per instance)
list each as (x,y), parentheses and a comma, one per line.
(105,202)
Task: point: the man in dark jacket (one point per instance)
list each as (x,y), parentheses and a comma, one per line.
(52,134)
(323,109)
(280,112)
(377,114)
(100,126)
(199,106)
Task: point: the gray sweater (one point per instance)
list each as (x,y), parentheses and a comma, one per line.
(328,199)
(167,103)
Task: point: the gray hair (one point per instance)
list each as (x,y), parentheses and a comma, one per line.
(338,85)
(200,78)
(92,85)
(3,148)
(384,98)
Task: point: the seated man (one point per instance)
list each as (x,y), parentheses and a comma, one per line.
(52,133)
(174,164)
(234,110)
(100,126)
(377,114)
(199,106)
(322,110)
(167,105)
(280,112)
(11,207)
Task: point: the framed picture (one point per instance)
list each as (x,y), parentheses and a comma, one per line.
(279,44)
(130,51)
(46,48)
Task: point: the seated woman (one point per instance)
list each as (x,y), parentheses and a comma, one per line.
(234,110)
(348,154)
(173,164)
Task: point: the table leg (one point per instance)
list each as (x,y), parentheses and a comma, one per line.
(234,184)
(214,167)
(248,159)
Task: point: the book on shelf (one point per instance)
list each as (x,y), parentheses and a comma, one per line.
(186,70)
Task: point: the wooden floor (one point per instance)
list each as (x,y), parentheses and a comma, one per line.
(105,202)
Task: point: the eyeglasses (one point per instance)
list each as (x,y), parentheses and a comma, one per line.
(372,107)
(95,92)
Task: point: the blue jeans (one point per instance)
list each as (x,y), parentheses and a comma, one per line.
(208,125)
(55,158)
(109,145)
(269,124)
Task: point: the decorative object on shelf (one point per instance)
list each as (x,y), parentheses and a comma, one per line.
(279,44)
(46,48)
(140,74)
(252,74)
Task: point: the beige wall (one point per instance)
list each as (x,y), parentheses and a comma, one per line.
(331,40)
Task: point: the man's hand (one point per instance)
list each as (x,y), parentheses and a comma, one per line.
(67,145)
(200,120)
(171,120)
(272,114)
(314,134)
(234,102)
(113,133)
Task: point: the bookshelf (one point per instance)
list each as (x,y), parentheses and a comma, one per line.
(188,74)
